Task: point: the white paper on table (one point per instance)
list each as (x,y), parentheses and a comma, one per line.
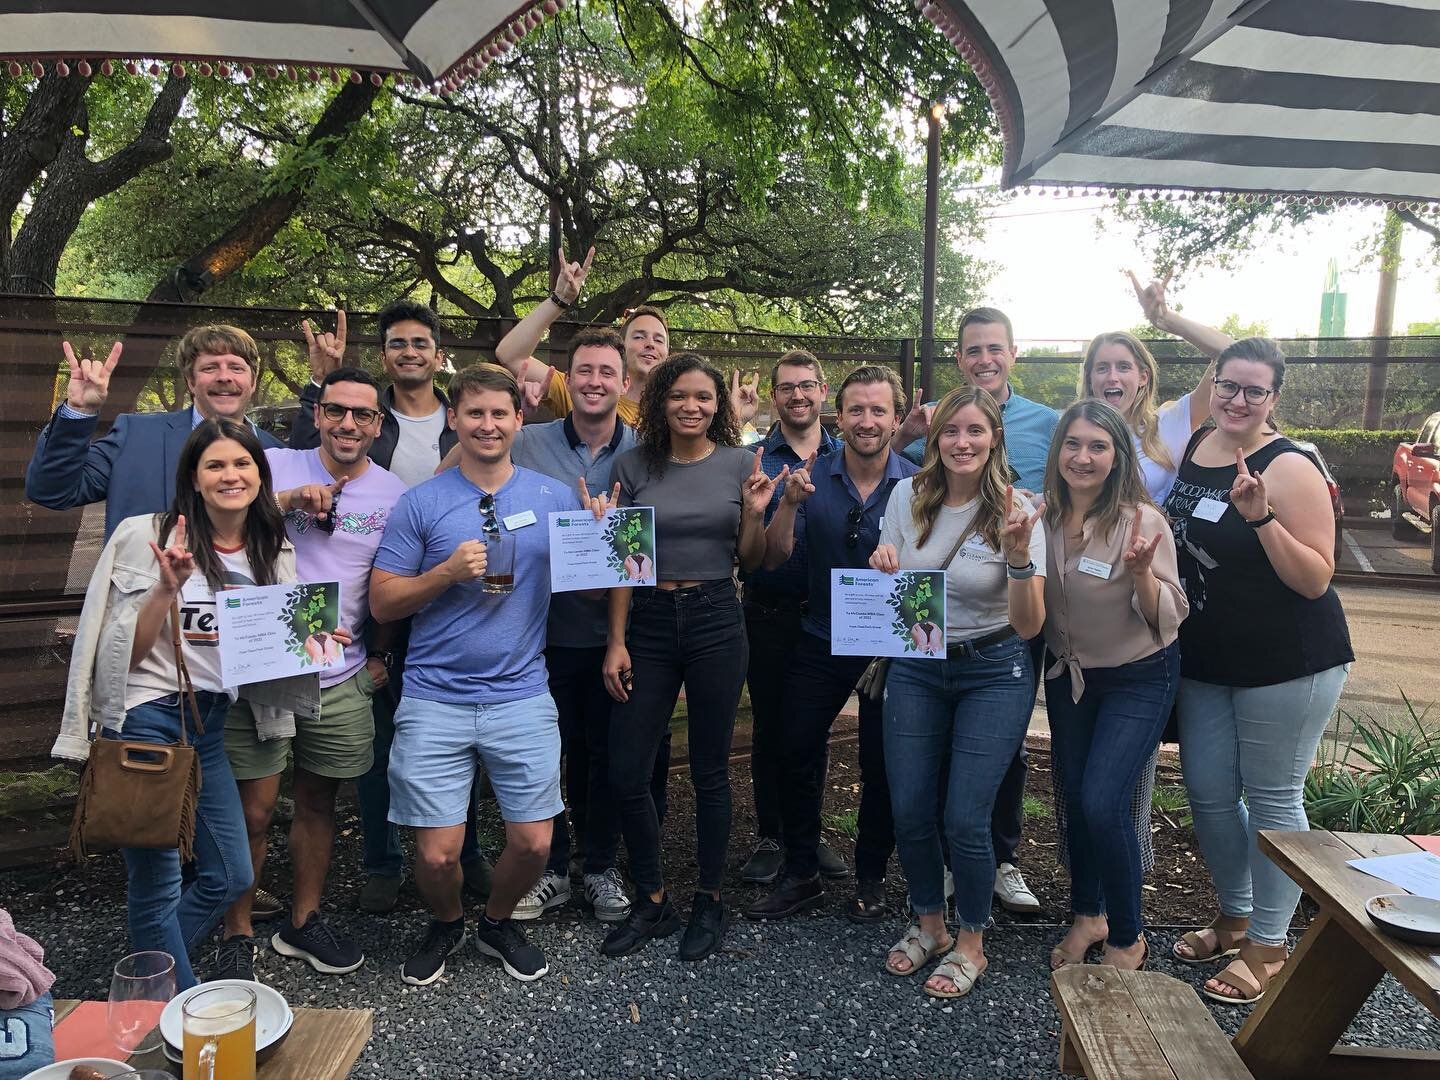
(276,631)
(618,551)
(1416,872)
(875,614)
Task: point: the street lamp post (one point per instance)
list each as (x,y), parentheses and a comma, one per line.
(934,115)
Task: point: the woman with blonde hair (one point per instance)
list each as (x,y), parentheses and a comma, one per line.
(970,709)
(1113,607)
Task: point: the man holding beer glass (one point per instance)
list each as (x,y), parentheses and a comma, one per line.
(467,554)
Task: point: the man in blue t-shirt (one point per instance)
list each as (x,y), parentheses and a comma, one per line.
(467,554)
(986,356)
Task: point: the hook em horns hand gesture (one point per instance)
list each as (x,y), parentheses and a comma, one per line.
(176,562)
(571,276)
(758,488)
(1016,532)
(1248,494)
(799,486)
(601,504)
(1152,297)
(89,384)
(1139,552)
(327,351)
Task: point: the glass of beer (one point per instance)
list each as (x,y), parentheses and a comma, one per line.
(219,1027)
(499,563)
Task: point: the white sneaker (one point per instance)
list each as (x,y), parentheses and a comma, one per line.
(605,893)
(551,891)
(1011,890)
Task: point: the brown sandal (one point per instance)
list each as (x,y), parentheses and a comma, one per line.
(1205,953)
(1247,974)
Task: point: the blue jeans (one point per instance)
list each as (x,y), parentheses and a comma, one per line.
(161,915)
(27,1040)
(1102,744)
(970,709)
(1256,742)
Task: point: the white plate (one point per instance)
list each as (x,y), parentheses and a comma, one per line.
(61,1069)
(272,1013)
(1410,918)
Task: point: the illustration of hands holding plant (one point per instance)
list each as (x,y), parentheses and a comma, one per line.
(631,537)
(917,600)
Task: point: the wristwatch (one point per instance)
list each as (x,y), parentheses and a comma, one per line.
(563,305)
(386,658)
(1258,522)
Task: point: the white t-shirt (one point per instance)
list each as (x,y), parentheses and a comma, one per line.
(155,676)
(417,451)
(1173,427)
(977,593)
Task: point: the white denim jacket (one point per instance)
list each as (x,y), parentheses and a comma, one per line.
(100,659)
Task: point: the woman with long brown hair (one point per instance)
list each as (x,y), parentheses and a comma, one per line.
(970,710)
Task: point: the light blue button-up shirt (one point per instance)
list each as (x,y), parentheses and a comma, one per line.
(1029,426)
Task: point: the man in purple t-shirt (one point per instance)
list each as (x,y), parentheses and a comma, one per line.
(336,503)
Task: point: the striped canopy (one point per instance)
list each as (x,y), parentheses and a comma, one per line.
(1307,97)
(436,40)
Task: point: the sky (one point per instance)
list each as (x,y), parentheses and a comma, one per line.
(1062,278)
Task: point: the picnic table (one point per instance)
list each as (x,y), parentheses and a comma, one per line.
(1293,1031)
(323,1044)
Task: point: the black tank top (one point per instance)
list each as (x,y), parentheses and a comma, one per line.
(1246,627)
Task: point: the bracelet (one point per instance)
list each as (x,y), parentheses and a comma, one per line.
(1260,522)
(563,305)
(1020,573)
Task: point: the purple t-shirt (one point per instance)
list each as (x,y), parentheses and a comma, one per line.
(347,554)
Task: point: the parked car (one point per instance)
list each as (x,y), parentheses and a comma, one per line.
(1415,489)
(1336,503)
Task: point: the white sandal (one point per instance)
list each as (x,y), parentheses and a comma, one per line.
(962,972)
(918,946)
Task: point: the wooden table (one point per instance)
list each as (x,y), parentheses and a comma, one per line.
(323,1044)
(1293,1031)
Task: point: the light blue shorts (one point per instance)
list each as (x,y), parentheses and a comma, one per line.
(437,745)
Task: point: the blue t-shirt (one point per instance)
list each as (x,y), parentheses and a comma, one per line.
(1028,429)
(468,646)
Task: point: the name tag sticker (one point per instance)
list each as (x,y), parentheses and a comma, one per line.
(1209,509)
(1095,568)
(520,520)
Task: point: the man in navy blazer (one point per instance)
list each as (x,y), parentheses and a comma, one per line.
(133,467)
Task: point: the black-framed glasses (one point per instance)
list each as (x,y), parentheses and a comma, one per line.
(335,412)
(326,524)
(490,526)
(788,389)
(400,344)
(1225,389)
(852,524)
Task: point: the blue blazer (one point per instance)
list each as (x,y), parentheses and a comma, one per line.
(132,468)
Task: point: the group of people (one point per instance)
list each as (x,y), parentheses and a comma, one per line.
(1135,557)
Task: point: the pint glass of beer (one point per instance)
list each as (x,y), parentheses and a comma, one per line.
(219,1026)
(499,563)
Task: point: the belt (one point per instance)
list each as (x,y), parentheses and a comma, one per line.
(774,598)
(1005,633)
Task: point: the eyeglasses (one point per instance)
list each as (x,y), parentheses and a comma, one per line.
(1225,389)
(335,413)
(852,520)
(419,344)
(788,389)
(490,526)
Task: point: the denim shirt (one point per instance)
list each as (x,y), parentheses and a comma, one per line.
(791,576)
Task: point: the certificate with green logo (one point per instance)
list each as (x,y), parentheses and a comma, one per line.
(275,631)
(875,614)
(618,551)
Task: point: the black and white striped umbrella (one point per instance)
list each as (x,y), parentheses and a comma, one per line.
(438,41)
(1309,97)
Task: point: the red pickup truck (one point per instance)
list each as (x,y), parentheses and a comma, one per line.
(1415,501)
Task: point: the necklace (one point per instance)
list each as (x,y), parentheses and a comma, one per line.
(691,461)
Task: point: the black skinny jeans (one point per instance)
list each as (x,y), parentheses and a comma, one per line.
(584,705)
(773,631)
(693,637)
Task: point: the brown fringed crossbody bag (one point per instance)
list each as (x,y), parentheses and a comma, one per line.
(140,794)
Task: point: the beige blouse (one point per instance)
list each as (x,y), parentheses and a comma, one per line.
(1092,615)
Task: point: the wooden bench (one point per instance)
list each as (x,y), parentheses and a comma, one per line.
(1138,1025)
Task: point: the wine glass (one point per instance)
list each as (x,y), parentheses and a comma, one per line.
(143,983)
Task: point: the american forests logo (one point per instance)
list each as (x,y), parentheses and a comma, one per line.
(232,602)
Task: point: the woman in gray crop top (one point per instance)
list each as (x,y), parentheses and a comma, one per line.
(709,497)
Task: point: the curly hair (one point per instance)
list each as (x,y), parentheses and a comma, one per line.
(653,432)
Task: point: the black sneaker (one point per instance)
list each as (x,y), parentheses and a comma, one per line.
(790,897)
(647,920)
(763,866)
(328,952)
(506,943)
(831,864)
(427,963)
(708,922)
(234,959)
(265,906)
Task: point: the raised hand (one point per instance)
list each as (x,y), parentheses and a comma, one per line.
(1248,494)
(758,488)
(571,277)
(466,562)
(885,559)
(1018,528)
(89,384)
(327,351)
(534,395)
(744,398)
(799,486)
(1152,298)
(1139,552)
(601,504)
(176,562)
(916,424)
(315,499)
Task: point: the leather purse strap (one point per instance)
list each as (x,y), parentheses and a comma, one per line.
(186,688)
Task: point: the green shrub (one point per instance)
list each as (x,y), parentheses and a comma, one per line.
(1343,446)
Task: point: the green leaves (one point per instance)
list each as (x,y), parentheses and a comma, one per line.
(1379,779)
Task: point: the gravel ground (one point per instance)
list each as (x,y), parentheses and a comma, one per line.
(803,998)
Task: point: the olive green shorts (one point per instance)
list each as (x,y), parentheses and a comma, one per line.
(340,744)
